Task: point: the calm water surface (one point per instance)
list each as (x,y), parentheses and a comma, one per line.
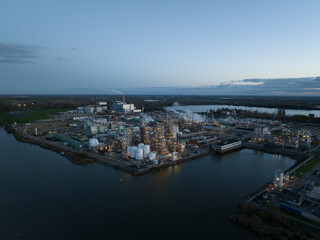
(204,108)
(44,196)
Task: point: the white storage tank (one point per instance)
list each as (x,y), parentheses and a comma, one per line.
(152,156)
(146,151)
(129,150)
(93,143)
(133,152)
(139,154)
(278,178)
(140,145)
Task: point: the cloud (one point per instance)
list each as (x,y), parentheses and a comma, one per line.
(271,87)
(116,92)
(245,82)
(276,86)
(308,86)
(19,54)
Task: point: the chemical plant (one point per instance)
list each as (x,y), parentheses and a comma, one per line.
(137,142)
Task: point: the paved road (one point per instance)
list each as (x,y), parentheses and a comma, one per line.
(102,159)
(276,151)
(299,165)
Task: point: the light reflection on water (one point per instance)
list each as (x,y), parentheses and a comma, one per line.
(204,108)
(44,196)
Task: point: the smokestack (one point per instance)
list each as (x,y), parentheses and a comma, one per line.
(123,98)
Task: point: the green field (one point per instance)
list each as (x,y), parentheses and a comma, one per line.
(302,218)
(29,115)
(307,167)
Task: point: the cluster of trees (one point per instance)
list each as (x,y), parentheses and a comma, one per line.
(10,103)
(271,224)
(35,103)
(309,103)
(293,118)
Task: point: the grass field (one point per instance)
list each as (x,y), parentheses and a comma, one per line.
(317,128)
(29,115)
(302,218)
(29,100)
(307,167)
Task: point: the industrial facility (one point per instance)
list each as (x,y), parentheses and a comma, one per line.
(122,106)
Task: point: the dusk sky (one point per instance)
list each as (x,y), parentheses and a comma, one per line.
(55,46)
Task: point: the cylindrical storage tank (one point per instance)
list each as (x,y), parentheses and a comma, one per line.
(152,156)
(129,150)
(146,151)
(93,143)
(140,145)
(133,152)
(139,154)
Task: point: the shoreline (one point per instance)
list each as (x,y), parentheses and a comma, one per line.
(77,158)
(275,222)
(250,216)
(270,223)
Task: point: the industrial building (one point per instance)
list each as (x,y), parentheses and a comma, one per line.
(122,106)
(65,139)
(93,109)
(291,196)
(144,135)
(160,140)
(278,178)
(226,146)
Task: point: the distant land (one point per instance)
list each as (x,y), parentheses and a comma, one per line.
(308,86)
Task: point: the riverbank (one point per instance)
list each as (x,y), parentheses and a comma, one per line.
(250,219)
(275,224)
(73,157)
(286,152)
(171,163)
(77,157)
(82,158)
(87,157)
(268,219)
(201,193)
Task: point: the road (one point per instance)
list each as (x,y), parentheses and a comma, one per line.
(281,151)
(101,159)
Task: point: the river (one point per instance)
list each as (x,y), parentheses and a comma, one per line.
(205,108)
(45,196)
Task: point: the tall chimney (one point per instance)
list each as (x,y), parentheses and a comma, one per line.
(124,98)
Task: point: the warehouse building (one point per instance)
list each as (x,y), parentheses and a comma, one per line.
(226,146)
(65,139)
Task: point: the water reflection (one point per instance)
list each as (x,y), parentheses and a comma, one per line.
(44,196)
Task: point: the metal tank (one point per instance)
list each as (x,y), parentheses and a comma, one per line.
(139,154)
(133,152)
(152,156)
(146,151)
(93,143)
(129,150)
